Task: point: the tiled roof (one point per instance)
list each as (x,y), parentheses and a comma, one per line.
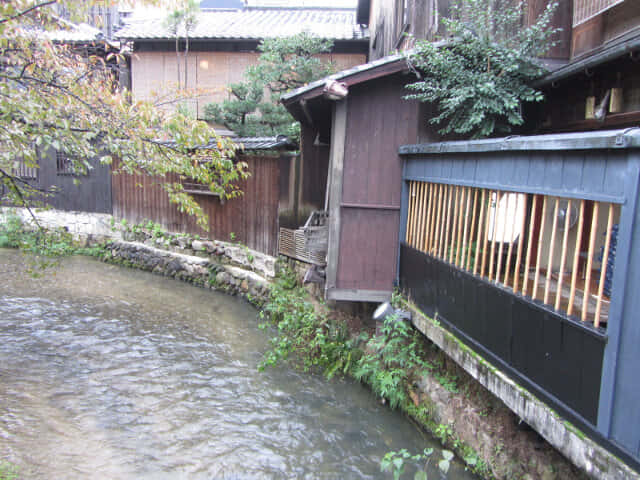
(71,32)
(281,142)
(256,23)
(262,143)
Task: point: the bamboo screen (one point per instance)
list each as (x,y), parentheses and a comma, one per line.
(555,250)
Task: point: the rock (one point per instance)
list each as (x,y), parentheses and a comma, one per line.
(244,286)
(209,246)
(197,245)
(222,278)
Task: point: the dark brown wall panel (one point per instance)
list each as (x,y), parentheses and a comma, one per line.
(368,249)
(252,217)
(378,122)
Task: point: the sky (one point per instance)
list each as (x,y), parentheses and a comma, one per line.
(140,10)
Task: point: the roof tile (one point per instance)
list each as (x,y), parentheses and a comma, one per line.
(256,23)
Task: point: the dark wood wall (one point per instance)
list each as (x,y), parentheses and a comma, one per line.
(252,217)
(90,192)
(315,167)
(378,122)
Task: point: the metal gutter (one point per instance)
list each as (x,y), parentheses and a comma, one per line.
(627,43)
(607,139)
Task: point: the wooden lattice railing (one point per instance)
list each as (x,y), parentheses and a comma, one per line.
(544,247)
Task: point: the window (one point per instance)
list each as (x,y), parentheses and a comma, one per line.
(65,166)
(25,171)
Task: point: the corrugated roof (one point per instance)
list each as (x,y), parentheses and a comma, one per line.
(256,23)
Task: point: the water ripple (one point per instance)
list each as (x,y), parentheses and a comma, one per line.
(142,377)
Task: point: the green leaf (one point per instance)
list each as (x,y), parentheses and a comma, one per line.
(420,475)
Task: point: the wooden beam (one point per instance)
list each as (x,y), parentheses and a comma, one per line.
(336,155)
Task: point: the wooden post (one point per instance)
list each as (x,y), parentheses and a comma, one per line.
(603,267)
(473,229)
(590,253)
(576,259)
(516,273)
(432,215)
(463,191)
(493,236)
(420,216)
(527,266)
(465,229)
(438,229)
(536,279)
(501,247)
(446,236)
(507,266)
(412,204)
(552,248)
(454,228)
(563,255)
(486,235)
(481,223)
(336,155)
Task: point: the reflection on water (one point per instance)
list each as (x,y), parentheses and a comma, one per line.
(113,373)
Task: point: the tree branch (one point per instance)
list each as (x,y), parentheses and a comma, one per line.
(28,10)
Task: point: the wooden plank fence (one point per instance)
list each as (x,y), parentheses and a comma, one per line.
(251,219)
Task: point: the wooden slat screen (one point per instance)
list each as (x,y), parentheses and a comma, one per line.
(584,10)
(551,249)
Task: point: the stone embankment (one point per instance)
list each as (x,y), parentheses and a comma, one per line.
(208,264)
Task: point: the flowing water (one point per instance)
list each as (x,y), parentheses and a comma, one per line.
(111,373)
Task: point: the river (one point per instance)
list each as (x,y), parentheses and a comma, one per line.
(112,373)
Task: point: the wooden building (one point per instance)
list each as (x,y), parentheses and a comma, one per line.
(223,43)
(525,247)
(364,131)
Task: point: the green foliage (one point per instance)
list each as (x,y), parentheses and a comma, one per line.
(390,359)
(479,79)
(395,462)
(55,96)
(317,341)
(284,64)
(8,471)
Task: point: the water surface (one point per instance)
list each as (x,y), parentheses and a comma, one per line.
(111,373)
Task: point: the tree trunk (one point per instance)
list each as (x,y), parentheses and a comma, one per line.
(178,58)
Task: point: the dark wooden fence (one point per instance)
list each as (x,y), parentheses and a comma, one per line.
(69,190)
(251,219)
(584,361)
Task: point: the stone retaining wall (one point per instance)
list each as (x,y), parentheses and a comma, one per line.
(201,271)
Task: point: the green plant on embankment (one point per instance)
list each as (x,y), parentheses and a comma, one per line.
(390,363)
(44,245)
(317,341)
(8,471)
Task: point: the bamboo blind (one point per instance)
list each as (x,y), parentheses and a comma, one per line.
(551,249)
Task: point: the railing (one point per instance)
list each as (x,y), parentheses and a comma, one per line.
(541,246)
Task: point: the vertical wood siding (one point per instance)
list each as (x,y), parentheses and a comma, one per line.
(378,122)
(90,192)
(252,217)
